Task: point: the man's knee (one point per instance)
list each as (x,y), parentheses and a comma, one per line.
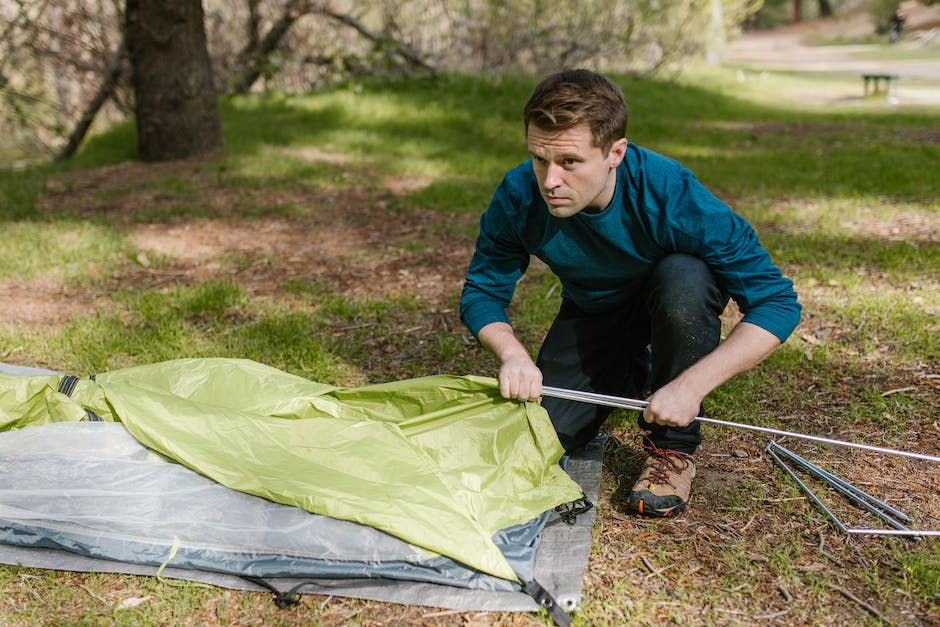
(683,285)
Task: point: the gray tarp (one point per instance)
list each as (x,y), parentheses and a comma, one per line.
(137,511)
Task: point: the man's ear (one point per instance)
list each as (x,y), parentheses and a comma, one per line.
(617,152)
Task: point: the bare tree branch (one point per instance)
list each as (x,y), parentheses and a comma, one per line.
(254,24)
(408,55)
(257,54)
(106,89)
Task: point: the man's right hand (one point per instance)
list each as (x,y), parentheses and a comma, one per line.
(519,378)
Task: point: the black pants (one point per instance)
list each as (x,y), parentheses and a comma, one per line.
(633,350)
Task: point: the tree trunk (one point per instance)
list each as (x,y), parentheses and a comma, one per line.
(176,105)
(825,9)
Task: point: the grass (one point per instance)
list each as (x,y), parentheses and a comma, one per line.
(330,241)
(62,250)
(906,49)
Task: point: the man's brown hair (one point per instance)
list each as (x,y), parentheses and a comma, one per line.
(571,97)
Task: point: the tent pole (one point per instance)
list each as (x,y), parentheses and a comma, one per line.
(638,405)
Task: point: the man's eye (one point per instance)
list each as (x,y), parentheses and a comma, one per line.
(569,163)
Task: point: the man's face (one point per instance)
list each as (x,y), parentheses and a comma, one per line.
(573,174)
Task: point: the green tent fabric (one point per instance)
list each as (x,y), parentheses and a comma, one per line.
(442,462)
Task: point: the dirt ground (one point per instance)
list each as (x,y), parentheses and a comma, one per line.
(358,251)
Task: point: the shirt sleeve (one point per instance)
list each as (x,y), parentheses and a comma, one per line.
(705,226)
(499,261)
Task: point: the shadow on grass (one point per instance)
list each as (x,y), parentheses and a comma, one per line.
(468,131)
(625,462)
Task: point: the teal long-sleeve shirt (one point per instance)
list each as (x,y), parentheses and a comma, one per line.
(603,259)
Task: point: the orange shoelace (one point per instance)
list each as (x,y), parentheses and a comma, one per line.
(664,460)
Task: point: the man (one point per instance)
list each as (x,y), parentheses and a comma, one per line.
(897,24)
(647,259)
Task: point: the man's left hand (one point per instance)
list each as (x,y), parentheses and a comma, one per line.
(672,407)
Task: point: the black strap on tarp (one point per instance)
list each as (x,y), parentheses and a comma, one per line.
(67,385)
(545,600)
(569,512)
(284,600)
(291,598)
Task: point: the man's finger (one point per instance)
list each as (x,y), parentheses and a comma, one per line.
(534,390)
(504,387)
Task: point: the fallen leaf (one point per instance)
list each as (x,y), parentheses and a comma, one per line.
(809,338)
(130,602)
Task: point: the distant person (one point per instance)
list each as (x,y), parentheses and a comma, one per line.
(897,24)
(647,259)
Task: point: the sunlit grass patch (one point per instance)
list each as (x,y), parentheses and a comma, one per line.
(60,250)
(766,86)
(907,50)
(215,319)
(766,394)
(889,322)
(921,568)
(858,216)
(282,169)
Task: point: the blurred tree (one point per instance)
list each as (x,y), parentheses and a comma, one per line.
(62,67)
(255,57)
(53,53)
(175,101)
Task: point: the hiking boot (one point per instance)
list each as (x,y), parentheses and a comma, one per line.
(663,488)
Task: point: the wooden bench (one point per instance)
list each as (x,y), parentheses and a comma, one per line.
(875,81)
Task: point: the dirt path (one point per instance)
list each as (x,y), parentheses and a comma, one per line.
(787,49)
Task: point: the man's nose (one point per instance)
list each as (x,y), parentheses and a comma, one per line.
(553,176)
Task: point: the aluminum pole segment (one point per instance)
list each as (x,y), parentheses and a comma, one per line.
(894,532)
(845,488)
(593,397)
(637,405)
(835,519)
(904,531)
(841,484)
